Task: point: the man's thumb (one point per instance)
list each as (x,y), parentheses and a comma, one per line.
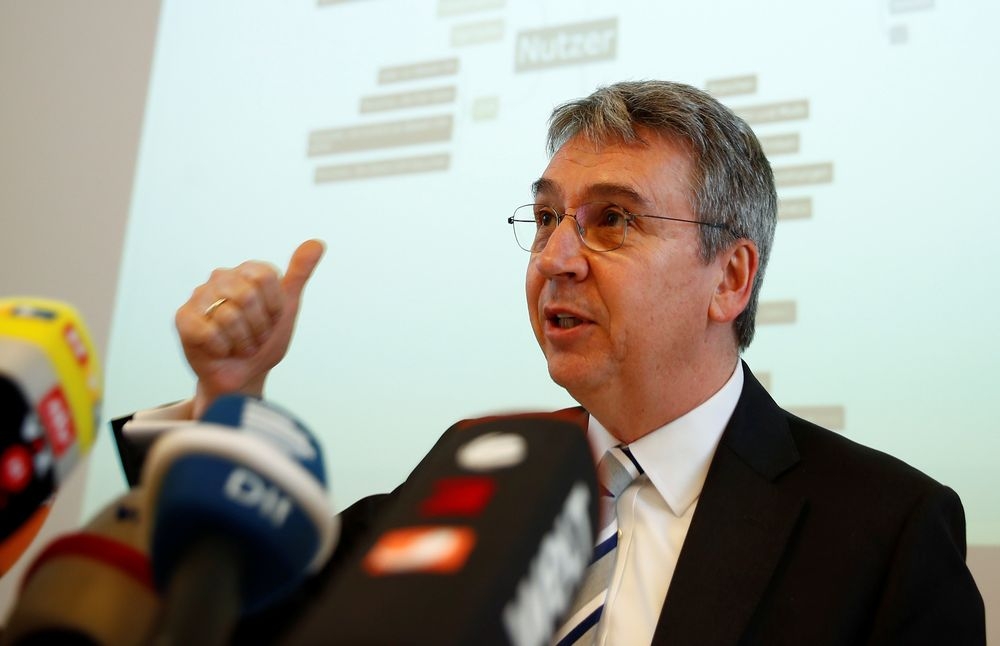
(301,266)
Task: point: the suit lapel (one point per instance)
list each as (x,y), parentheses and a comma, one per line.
(739,530)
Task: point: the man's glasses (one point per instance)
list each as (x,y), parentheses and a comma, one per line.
(602,225)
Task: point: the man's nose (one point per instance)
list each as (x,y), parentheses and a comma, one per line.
(564,254)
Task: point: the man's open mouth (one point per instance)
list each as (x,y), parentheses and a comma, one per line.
(566,321)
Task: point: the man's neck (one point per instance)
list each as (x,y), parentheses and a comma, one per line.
(642,409)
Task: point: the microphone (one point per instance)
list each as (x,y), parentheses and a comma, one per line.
(240,516)
(91,587)
(485,543)
(50,394)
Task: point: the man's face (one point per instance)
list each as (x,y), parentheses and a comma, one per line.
(612,323)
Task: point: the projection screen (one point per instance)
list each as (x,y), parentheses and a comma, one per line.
(404,133)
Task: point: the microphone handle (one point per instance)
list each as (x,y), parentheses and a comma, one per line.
(202,601)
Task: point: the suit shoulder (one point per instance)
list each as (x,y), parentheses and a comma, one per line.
(843,460)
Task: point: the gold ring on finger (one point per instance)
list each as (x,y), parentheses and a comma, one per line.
(214,306)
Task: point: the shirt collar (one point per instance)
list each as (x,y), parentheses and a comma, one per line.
(676,456)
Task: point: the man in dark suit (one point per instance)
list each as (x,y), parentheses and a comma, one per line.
(649,233)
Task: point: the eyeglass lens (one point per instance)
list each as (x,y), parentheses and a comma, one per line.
(603,225)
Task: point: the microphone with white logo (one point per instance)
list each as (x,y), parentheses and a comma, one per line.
(50,395)
(485,543)
(240,516)
(93,586)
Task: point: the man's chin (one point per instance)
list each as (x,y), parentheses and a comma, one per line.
(573,374)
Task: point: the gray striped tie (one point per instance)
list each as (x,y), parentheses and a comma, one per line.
(616,470)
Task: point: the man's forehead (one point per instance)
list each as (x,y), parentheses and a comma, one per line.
(671,154)
(583,151)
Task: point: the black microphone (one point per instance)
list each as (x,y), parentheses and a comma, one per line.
(485,543)
(240,516)
(93,586)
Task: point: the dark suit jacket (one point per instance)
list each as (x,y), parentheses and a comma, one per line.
(801,536)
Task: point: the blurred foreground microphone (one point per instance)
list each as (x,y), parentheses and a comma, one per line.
(91,587)
(50,394)
(485,543)
(240,516)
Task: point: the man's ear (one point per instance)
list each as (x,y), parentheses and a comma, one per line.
(739,265)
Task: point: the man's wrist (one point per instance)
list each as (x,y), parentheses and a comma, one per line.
(204,396)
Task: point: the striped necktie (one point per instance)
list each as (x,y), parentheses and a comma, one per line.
(616,470)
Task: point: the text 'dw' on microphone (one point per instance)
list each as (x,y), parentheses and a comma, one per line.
(240,516)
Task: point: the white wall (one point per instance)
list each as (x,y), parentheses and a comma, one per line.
(73,80)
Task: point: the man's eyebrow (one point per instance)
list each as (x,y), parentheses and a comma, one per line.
(543,185)
(610,191)
(614,192)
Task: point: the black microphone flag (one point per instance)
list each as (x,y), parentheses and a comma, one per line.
(485,543)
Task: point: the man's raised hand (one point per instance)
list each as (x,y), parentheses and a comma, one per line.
(237,325)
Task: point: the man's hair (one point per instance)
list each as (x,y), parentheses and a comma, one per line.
(732,179)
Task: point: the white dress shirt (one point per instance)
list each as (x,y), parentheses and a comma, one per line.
(655,511)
